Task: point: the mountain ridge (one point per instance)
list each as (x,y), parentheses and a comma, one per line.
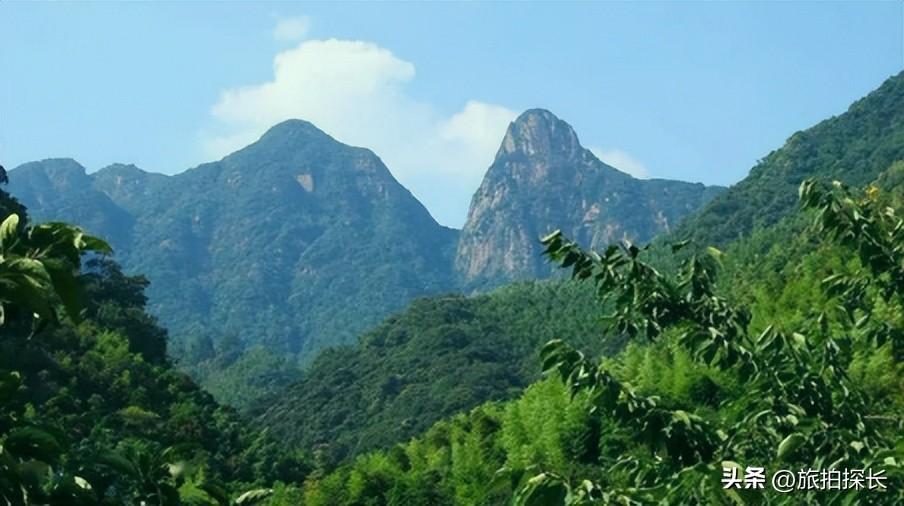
(297,188)
(339,234)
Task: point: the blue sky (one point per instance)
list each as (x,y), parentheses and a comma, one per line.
(688,90)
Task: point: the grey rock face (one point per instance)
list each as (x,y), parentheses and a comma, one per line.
(543,179)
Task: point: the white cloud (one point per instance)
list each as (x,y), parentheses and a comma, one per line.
(355,91)
(478,126)
(292,29)
(622,161)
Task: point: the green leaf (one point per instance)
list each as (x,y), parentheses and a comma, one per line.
(82,483)
(253,496)
(678,246)
(551,236)
(34,443)
(8,231)
(715,253)
(66,286)
(122,466)
(790,444)
(91,243)
(9,385)
(545,489)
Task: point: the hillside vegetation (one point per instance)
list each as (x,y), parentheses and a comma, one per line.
(807,376)
(853,147)
(439,357)
(91,410)
(294,232)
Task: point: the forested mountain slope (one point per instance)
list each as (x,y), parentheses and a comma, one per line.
(292,243)
(298,242)
(853,147)
(439,357)
(793,362)
(91,410)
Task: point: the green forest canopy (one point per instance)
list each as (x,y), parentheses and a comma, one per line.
(91,410)
(705,385)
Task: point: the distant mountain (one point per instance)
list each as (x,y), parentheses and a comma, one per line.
(295,242)
(298,242)
(854,147)
(59,189)
(542,180)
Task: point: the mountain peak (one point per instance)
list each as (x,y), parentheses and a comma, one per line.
(121,169)
(55,165)
(287,139)
(60,172)
(295,130)
(539,132)
(542,180)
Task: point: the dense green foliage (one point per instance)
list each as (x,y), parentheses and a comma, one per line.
(8,204)
(439,357)
(853,147)
(239,376)
(458,461)
(91,412)
(800,402)
(706,385)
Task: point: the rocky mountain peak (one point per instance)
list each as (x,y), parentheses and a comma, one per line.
(542,180)
(539,133)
